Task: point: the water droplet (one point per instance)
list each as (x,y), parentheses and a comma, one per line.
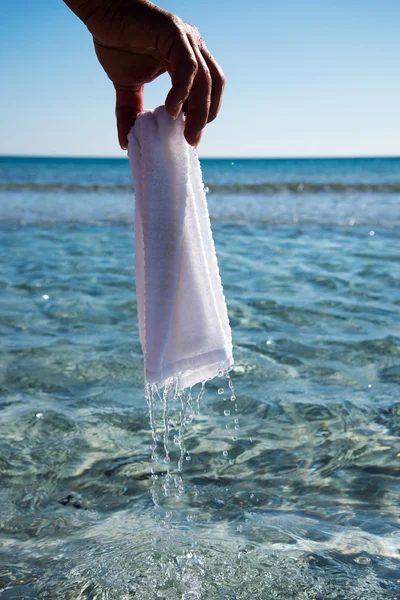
(236,421)
(268,342)
(363,560)
(233,398)
(369,385)
(220,391)
(188,457)
(227,412)
(371,233)
(234,438)
(252,496)
(231,462)
(233,163)
(225,453)
(45,297)
(39,415)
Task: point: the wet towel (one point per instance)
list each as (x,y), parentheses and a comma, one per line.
(183,320)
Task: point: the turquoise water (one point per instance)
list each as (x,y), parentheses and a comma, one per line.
(298,499)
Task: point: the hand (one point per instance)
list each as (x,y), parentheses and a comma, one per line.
(136,41)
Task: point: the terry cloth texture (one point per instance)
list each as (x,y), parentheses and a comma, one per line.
(183,319)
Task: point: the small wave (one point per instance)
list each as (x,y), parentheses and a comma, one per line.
(306,187)
(33,186)
(293,187)
(225,221)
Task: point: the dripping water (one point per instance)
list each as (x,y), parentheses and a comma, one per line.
(171,414)
(228,413)
(179,407)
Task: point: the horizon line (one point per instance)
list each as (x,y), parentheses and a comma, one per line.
(125,157)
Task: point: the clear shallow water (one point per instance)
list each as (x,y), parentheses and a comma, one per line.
(309,509)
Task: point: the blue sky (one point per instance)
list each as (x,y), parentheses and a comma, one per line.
(305,78)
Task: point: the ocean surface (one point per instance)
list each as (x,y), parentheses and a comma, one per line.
(292,491)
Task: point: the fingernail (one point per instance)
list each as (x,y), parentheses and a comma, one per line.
(197,142)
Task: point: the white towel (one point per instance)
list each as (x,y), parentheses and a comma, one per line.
(183,320)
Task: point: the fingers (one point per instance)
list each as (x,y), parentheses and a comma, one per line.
(218,83)
(130,102)
(182,66)
(197,80)
(199,101)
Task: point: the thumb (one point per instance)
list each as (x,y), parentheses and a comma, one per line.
(130,102)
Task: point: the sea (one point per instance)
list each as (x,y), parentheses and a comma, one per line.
(290,491)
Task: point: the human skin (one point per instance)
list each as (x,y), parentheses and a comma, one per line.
(135,42)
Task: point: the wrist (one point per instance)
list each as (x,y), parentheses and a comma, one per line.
(85,9)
